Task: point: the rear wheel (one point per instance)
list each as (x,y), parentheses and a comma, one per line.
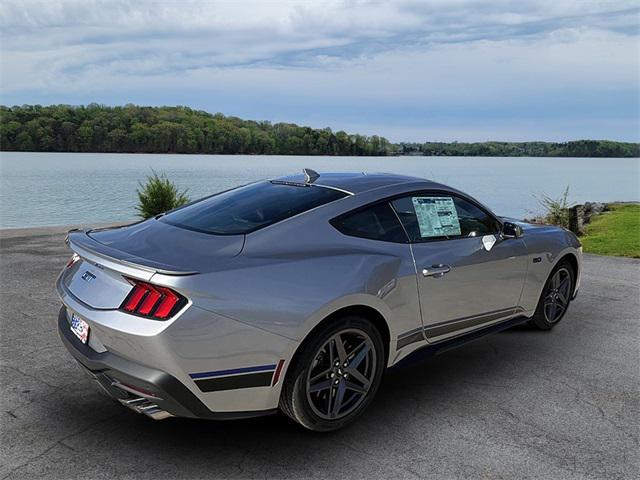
(555,297)
(335,375)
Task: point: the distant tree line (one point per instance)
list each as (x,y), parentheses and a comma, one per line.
(578,148)
(135,129)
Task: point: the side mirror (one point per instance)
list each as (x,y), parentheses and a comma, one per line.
(511,230)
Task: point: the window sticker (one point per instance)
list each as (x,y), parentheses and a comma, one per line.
(437,216)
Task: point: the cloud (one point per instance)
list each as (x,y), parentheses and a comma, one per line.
(451,67)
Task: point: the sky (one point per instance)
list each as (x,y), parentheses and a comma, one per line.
(435,70)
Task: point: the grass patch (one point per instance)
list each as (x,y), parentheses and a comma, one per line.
(616,232)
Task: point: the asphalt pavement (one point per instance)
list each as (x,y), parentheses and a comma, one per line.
(518,404)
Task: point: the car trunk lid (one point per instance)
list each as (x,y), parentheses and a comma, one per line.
(109,256)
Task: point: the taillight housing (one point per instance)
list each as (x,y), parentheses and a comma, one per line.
(74,258)
(152,301)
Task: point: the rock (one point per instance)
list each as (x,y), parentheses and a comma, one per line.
(576,219)
(594,208)
(580,215)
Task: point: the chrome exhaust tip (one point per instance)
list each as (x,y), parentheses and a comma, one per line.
(146,407)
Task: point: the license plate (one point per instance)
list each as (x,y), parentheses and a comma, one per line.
(80,328)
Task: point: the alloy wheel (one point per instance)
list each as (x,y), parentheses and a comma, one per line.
(341,374)
(557,296)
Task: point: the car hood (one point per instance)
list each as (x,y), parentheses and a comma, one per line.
(538,227)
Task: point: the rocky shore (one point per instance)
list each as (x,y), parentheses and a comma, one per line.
(580,215)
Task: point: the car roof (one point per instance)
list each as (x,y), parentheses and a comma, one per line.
(358,182)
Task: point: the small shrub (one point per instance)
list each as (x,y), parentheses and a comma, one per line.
(158,195)
(556,209)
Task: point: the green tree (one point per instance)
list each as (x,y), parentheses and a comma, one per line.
(132,128)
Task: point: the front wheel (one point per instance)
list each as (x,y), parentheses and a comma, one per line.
(335,375)
(555,297)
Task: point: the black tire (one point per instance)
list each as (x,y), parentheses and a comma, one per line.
(315,366)
(550,296)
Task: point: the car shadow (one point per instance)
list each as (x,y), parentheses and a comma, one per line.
(276,446)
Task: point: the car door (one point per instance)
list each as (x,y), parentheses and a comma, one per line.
(469,275)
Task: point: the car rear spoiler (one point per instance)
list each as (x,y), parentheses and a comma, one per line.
(95,252)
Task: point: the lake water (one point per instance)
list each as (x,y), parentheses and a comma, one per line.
(39,189)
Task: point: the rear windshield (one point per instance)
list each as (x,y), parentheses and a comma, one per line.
(245,209)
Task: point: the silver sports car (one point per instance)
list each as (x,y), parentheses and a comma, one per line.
(296,294)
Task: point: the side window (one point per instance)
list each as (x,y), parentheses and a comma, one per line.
(377,222)
(441,216)
(473,220)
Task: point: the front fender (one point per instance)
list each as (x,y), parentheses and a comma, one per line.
(542,261)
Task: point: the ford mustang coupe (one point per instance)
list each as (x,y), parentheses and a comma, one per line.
(298,293)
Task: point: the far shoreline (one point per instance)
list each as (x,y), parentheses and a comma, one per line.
(178,129)
(45,230)
(186,154)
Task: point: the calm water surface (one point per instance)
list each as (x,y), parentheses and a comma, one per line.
(38,189)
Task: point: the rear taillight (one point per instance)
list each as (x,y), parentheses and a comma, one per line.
(74,258)
(152,301)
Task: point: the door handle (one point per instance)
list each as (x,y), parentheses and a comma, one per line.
(436,271)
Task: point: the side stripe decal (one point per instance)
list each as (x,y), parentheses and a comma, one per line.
(462,323)
(410,337)
(234,378)
(452,326)
(232,371)
(215,384)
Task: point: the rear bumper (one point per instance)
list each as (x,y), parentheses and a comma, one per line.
(143,389)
